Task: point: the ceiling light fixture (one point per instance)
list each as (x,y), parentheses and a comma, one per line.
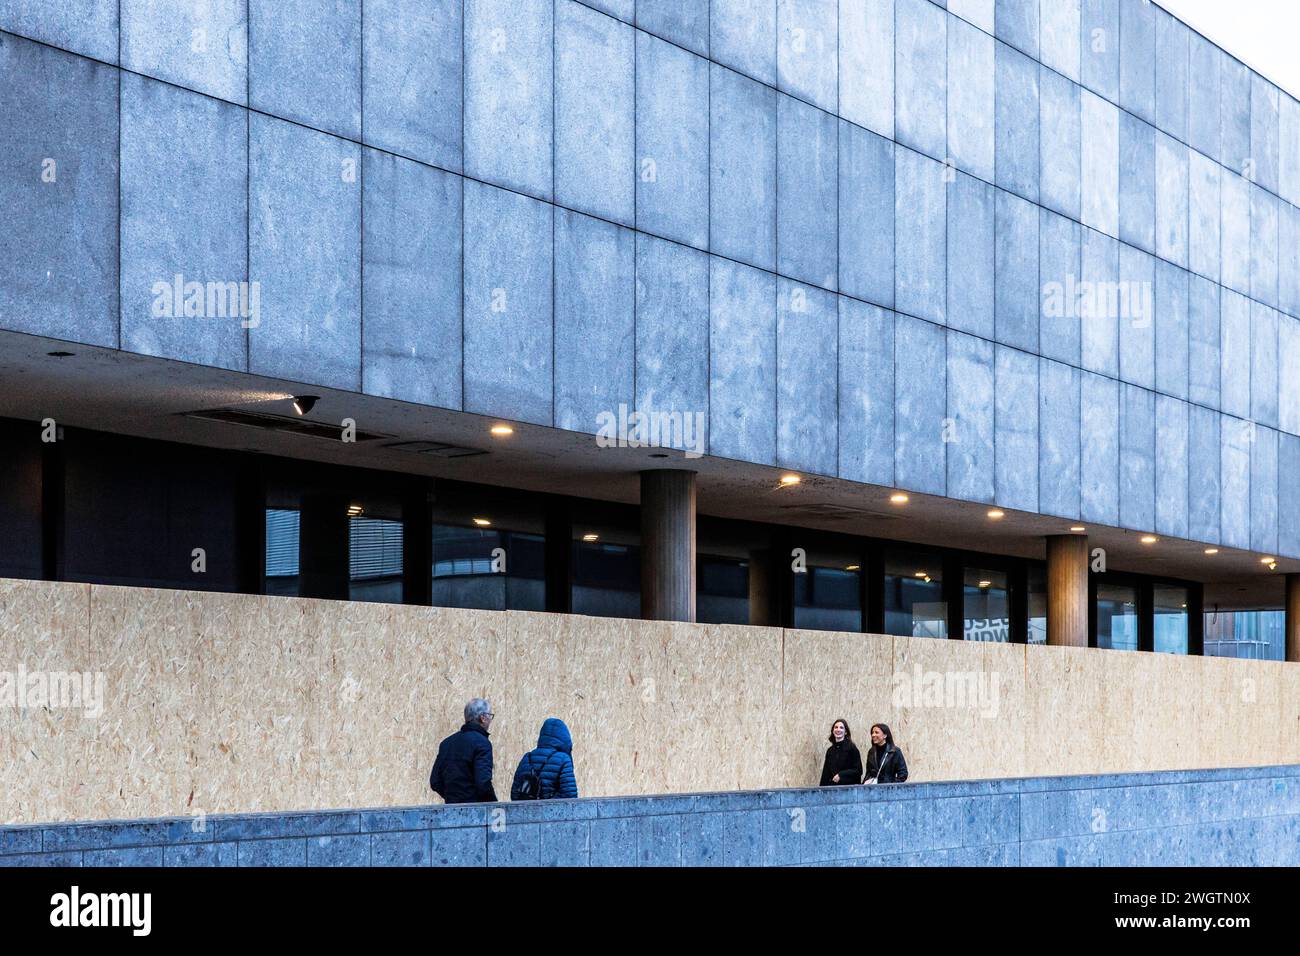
(1077,527)
(1211,550)
(591,537)
(355,511)
(1268,560)
(997,513)
(482,522)
(898,499)
(985,584)
(1149,539)
(501,431)
(790,480)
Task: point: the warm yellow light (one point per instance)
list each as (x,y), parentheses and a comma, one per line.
(501,431)
(790,480)
(920,574)
(1149,539)
(1211,550)
(482,522)
(898,499)
(1268,560)
(355,510)
(1077,527)
(591,537)
(853,567)
(996,513)
(985,584)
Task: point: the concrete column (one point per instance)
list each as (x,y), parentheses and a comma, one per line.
(1067,590)
(668,545)
(1293,617)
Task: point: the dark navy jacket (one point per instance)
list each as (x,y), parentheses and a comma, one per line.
(463,771)
(552,761)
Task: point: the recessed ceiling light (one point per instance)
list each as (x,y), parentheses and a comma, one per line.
(997,513)
(501,431)
(591,537)
(1077,527)
(482,522)
(1211,550)
(898,499)
(788,480)
(1149,539)
(355,511)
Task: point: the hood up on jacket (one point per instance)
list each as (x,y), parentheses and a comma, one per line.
(555,736)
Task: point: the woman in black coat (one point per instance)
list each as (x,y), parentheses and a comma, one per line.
(843,763)
(885,763)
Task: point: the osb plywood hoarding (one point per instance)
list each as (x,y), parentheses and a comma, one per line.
(125,702)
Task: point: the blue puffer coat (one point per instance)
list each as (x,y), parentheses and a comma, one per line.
(552,761)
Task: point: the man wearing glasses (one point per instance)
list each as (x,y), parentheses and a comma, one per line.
(463,771)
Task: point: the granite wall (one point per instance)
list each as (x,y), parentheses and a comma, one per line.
(852,234)
(1225,817)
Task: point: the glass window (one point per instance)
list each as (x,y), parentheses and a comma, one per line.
(828,591)
(606,561)
(374,558)
(1170,607)
(986,614)
(282,551)
(722,592)
(914,604)
(488,550)
(725,552)
(1117,617)
(1255,635)
(1037,633)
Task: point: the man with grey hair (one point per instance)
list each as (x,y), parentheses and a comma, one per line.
(463,771)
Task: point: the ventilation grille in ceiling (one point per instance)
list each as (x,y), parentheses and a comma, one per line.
(440,449)
(280,423)
(827,512)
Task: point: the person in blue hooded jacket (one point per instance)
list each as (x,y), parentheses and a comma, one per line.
(551,761)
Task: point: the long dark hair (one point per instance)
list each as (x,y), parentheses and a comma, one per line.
(848,734)
(889,737)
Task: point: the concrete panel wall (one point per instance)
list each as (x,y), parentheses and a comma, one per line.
(949,165)
(229,703)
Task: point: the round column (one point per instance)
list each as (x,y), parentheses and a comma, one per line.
(668,545)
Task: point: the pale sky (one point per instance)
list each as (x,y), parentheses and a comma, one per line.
(1263,34)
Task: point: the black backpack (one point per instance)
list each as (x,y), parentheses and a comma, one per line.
(530,787)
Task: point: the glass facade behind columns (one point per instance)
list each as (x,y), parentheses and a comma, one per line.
(286,527)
